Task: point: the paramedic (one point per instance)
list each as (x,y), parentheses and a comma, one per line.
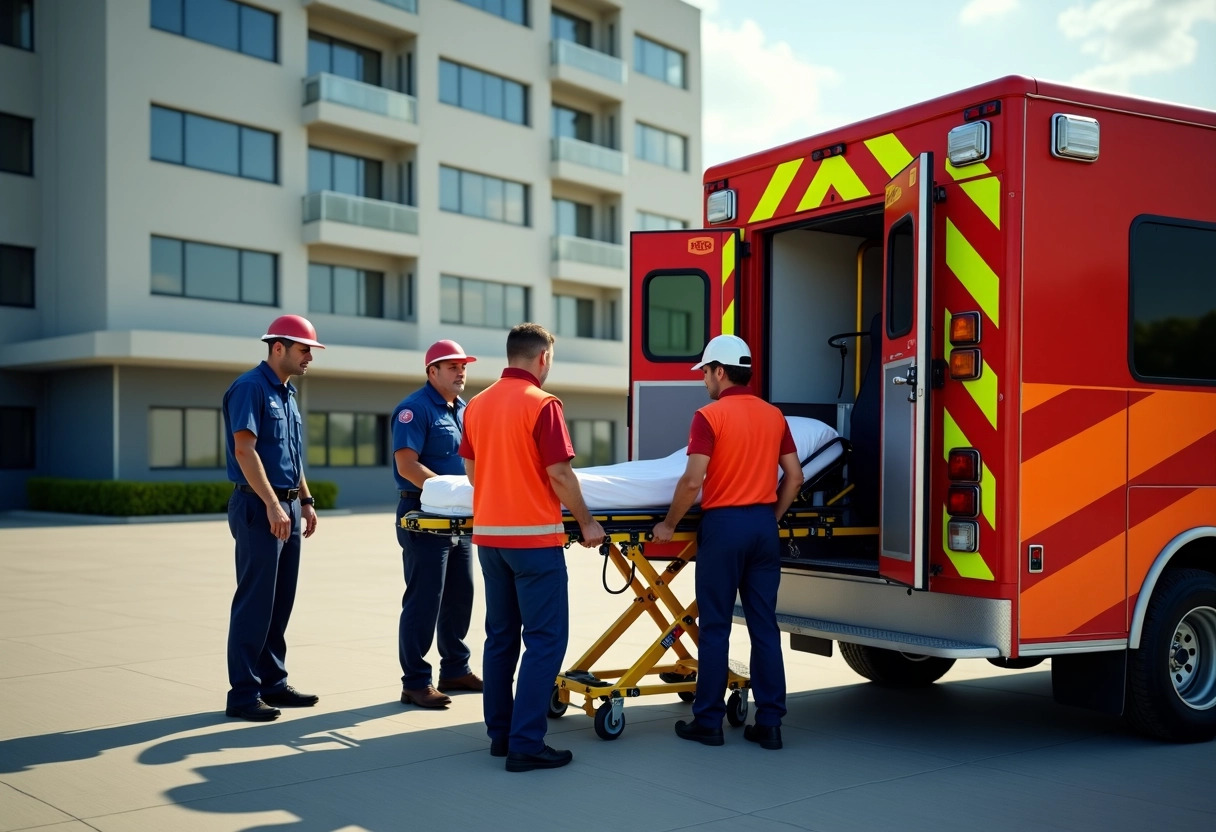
(438,597)
(265,462)
(517,453)
(736,444)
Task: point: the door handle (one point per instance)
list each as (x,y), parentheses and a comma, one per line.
(909,379)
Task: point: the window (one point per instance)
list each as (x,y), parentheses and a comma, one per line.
(16,276)
(210,144)
(658,61)
(341,290)
(571,123)
(515,11)
(901,278)
(1173,299)
(483,196)
(347,440)
(675,309)
(207,272)
(491,95)
(16,438)
(661,147)
(223,23)
(571,219)
(593,443)
(338,57)
(329,170)
(565,26)
(481,303)
(574,317)
(16,145)
(186,437)
(17,23)
(658,222)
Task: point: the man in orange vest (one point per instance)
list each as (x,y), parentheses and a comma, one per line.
(517,455)
(735,446)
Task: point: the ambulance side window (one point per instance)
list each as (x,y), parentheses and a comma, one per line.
(1173,300)
(675,308)
(901,278)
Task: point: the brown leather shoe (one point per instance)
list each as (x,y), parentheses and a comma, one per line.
(469,681)
(426,697)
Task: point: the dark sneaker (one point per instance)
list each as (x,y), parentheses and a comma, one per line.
(258,711)
(549,758)
(469,681)
(426,697)
(699,733)
(289,697)
(765,736)
(498,748)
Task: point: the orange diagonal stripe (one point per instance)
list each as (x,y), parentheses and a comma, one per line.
(1069,476)
(1148,537)
(1189,417)
(1084,589)
(1034,395)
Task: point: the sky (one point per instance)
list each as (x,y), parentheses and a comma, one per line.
(778,70)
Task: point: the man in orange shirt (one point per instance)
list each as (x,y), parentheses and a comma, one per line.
(517,455)
(735,446)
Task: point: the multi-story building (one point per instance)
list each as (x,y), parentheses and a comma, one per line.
(176,173)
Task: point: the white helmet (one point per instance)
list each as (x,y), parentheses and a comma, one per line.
(730,350)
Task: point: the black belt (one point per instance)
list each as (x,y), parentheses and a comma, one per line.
(405,494)
(288,494)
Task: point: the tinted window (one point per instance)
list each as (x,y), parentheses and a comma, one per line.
(258,37)
(16,144)
(214,145)
(481,302)
(658,61)
(326,54)
(565,26)
(223,23)
(190,437)
(661,147)
(901,278)
(168,135)
(482,92)
(592,439)
(676,309)
(215,22)
(16,437)
(16,276)
(482,196)
(329,170)
(347,439)
(574,124)
(211,272)
(341,290)
(512,10)
(168,271)
(17,23)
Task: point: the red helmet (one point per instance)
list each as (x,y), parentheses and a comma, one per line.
(293,328)
(446,350)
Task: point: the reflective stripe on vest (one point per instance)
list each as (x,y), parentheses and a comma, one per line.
(509,531)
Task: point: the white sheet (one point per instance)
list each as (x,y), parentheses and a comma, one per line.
(643,483)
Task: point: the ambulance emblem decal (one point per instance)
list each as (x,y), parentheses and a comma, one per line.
(701,245)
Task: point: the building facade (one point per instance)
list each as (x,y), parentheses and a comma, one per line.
(174,174)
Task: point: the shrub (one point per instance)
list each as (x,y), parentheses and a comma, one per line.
(120,498)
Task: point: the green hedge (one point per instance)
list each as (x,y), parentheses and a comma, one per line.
(121,498)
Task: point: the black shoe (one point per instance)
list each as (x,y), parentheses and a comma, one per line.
(765,736)
(259,711)
(289,697)
(549,758)
(498,748)
(696,733)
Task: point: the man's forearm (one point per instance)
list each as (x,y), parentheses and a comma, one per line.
(566,487)
(255,474)
(685,495)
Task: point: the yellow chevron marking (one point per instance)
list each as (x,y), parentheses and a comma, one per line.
(971,270)
(986,194)
(953,437)
(775,190)
(890,153)
(728,319)
(835,172)
(728,268)
(966,171)
(968,564)
(983,389)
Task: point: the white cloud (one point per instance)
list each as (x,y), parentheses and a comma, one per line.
(758,93)
(1128,38)
(978,11)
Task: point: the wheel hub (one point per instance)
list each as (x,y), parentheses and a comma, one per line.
(1192,664)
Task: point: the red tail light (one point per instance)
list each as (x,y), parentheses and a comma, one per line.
(963,465)
(963,501)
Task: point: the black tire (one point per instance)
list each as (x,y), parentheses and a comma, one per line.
(1020,663)
(605,726)
(894,669)
(1171,678)
(736,709)
(557,708)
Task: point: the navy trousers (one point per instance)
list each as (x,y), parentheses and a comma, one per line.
(266,573)
(438,600)
(738,552)
(526,589)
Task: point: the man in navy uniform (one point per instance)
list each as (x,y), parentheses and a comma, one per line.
(266,463)
(438,597)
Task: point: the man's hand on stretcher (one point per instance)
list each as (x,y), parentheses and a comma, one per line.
(565,485)
(682,500)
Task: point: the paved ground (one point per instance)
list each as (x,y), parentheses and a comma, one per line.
(112,685)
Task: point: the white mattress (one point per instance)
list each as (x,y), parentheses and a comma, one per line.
(643,483)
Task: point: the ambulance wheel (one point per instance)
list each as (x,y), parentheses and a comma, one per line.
(893,669)
(1020,663)
(736,709)
(605,726)
(557,708)
(1171,678)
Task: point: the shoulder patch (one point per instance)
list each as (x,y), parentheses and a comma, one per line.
(405,416)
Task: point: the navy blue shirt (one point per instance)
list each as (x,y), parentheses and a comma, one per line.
(427,425)
(258,402)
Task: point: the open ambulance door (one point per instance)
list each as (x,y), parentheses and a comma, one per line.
(683,291)
(906,336)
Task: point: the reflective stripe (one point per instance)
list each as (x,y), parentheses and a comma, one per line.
(977,277)
(778,184)
(836,173)
(890,153)
(728,299)
(518,531)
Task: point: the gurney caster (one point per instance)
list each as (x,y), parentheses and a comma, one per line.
(736,708)
(610,719)
(557,708)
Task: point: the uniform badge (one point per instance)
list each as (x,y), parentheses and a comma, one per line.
(405,417)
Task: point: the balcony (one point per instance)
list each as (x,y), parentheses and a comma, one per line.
(587,261)
(364,109)
(357,222)
(586,69)
(400,17)
(588,164)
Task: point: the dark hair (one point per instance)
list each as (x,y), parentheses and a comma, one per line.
(286,342)
(737,375)
(526,341)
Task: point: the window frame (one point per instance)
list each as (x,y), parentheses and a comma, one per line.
(404,305)
(480,6)
(640,144)
(460,296)
(31,253)
(240,29)
(240,272)
(572,428)
(28,5)
(185,116)
(363,51)
(220,438)
(695,354)
(20,121)
(525,97)
(461,173)
(380,441)
(22,462)
(332,156)
(639,60)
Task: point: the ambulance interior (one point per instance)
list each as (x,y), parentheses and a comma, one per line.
(824,282)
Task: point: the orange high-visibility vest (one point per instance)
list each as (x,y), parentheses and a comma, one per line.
(514,505)
(747,448)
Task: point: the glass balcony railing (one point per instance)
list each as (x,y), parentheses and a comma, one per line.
(566,149)
(368,97)
(569,53)
(410,6)
(583,250)
(360,210)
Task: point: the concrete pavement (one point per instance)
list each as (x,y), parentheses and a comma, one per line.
(112,682)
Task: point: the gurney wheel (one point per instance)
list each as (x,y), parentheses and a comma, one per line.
(605,726)
(557,708)
(736,709)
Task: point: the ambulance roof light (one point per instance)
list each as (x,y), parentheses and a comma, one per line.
(1074,137)
(720,207)
(969,143)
